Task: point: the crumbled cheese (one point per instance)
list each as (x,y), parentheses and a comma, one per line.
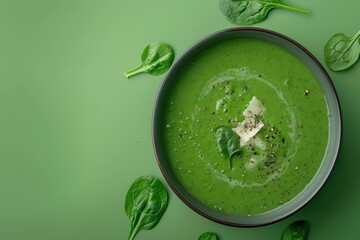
(248,128)
(255,108)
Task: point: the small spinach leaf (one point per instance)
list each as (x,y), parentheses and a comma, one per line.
(227,142)
(208,236)
(341,52)
(156,59)
(296,231)
(247,12)
(145,203)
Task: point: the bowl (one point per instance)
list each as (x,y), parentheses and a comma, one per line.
(334,128)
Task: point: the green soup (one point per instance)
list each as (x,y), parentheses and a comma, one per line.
(214,90)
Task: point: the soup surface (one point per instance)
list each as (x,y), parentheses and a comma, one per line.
(214,90)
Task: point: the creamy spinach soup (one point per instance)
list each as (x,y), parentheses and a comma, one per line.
(214,90)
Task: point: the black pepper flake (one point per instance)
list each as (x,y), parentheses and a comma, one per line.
(180,136)
(283,140)
(271,159)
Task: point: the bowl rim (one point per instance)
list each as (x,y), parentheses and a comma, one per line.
(155,109)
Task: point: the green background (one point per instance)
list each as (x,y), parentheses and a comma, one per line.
(75,133)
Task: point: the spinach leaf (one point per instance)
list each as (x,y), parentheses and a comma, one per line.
(208,236)
(227,142)
(145,203)
(341,52)
(247,12)
(156,59)
(296,231)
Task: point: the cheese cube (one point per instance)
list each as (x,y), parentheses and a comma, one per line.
(255,108)
(248,128)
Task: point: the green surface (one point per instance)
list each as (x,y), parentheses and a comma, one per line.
(213,91)
(74,133)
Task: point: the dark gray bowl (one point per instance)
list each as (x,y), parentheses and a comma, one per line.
(334,127)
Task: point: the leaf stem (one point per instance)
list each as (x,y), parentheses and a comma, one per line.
(133,72)
(357,34)
(132,234)
(292,8)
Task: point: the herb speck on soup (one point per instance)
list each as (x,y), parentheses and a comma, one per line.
(246,126)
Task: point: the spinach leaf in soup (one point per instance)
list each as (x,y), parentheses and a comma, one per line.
(208,236)
(227,143)
(341,52)
(247,12)
(156,59)
(145,204)
(296,231)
